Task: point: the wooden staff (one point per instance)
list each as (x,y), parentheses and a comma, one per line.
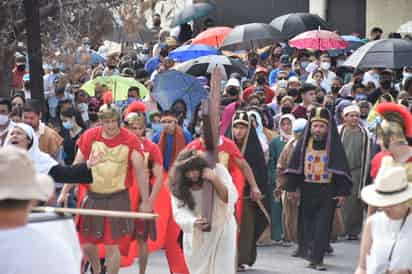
(95,212)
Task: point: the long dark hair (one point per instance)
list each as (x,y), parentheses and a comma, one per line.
(188,159)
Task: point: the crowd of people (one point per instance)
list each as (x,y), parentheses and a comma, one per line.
(301,138)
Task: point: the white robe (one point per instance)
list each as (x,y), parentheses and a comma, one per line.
(211,252)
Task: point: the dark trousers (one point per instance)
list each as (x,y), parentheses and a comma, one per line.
(317,208)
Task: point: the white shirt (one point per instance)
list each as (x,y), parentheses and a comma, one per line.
(385,232)
(26,250)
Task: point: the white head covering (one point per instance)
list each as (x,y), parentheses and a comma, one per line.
(292,119)
(351,108)
(259,129)
(43,162)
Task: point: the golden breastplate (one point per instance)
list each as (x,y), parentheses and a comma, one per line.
(316,162)
(109,176)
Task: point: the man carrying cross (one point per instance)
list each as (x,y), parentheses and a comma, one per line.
(206,252)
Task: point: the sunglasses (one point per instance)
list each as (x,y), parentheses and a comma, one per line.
(282,78)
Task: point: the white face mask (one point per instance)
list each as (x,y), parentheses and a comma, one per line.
(4,119)
(325,65)
(82,107)
(282,83)
(339,63)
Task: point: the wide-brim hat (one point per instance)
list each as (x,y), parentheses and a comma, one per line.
(19,179)
(391,187)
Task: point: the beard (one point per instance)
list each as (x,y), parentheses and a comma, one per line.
(318,137)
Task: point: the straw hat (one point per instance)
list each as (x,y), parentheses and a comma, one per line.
(391,187)
(19,179)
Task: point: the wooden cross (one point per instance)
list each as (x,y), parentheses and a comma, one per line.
(211,121)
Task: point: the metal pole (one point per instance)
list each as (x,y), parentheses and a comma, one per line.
(32,12)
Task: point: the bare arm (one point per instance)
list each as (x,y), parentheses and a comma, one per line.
(250,178)
(158,174)
(138,165)
(365,248)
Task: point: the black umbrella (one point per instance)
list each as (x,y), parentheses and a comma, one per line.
(385,53)
(293,24)
(252,36)
(204,65)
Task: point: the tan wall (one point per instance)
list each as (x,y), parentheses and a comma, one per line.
(387,14)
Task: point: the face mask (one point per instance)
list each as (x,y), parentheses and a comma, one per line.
(85,116)
(197,130)
(59,90)
(360,97)
(21,67)
(4,119)
(286,109)
(319,99)
(329,106)
(386,84)
(282,83)
(156,127)
(232,91)
(130,100)
(261,80)
(325,65)
(82,107)
(304,64)
(156,23)
(67,125)
(93,117)
(335,89)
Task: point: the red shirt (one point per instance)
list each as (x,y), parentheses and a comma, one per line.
(269,93)
(125,137)
(18,79)
(227,146)
(153,149)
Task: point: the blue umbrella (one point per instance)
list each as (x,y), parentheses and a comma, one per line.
(172,85)
(152,64)
(354,42)
(189,52)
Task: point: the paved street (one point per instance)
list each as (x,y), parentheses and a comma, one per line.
(276,260)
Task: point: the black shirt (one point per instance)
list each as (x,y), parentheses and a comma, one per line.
(69,145)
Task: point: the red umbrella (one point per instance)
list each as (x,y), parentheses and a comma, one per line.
(318,40)
(212,36)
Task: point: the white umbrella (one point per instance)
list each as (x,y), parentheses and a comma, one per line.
(204,65)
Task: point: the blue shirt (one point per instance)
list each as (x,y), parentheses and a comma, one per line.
(274,74)
(169,145)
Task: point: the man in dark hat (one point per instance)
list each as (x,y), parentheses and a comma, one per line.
(320,170)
